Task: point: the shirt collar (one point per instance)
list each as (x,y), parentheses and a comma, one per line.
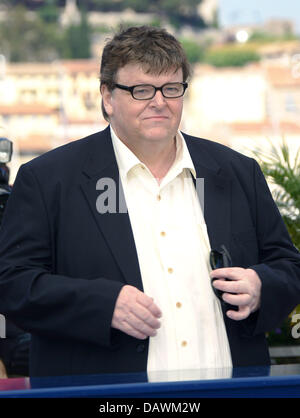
(183,159)
(126,159)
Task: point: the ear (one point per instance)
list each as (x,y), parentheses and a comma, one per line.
(106,98)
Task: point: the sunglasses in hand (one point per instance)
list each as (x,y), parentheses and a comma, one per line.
(219,259)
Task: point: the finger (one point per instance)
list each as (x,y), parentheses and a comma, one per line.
(133,332)
(133,326)
(242,313)
(148,303)
(132,317)
(229,286)
(140,325)
(233,273)
(240,285)
(125,326)
(144,329)
(131,296)
(139,314)
(237,300)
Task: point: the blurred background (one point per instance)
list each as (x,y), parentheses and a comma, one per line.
(244,91)
(245,87)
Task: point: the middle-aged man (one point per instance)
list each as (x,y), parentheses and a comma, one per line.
(102,289)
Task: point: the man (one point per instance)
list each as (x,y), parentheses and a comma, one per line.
(102,289)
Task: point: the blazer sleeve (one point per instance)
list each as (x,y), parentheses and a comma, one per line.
(35,298)
(279,266)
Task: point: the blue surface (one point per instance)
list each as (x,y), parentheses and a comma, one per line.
(274,382)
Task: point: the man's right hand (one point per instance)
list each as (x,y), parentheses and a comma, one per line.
(135,313)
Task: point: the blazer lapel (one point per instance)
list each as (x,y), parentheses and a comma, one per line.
(217,194)
(101,165)
(103,191)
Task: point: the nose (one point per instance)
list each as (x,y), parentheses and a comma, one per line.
(158,99)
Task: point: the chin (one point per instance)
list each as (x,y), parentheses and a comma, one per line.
(160,135)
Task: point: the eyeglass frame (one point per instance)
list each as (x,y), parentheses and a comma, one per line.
(131,88)
(224,260)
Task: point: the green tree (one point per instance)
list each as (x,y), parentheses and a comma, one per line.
(28,37)
(231,56)
(194,51)
(49,12)
(283,171)
(103,5)
(78,40)
(25,37)
(260,36)
(139,6)
(178,12)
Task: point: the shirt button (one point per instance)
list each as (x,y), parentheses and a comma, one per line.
(183,343)
(170,270)
(178,305)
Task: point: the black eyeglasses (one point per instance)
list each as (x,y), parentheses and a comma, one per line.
(147,91)
(219,259)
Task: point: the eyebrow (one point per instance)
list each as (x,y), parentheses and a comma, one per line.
(137,83)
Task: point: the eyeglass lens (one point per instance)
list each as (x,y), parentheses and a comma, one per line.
(216,259)
(171,90)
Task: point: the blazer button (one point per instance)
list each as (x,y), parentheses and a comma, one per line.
(140,348)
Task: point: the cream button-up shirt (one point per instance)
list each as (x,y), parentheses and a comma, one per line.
(173,253)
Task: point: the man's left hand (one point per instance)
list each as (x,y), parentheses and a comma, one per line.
(245,285)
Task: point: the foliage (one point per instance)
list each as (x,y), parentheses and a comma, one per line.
(231,56)
(177,12)
(265,37)
(78,40)
(188,7)
(37,37)
(24,37)
(27,36)
(49,11)
(282,336)
(194,51)
(283,173)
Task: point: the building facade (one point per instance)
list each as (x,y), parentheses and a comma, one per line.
(46,105)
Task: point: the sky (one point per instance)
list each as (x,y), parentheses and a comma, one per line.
(234,12)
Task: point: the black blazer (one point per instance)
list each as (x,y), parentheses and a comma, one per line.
(62,263)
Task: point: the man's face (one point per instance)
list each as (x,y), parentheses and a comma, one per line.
(134,120)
